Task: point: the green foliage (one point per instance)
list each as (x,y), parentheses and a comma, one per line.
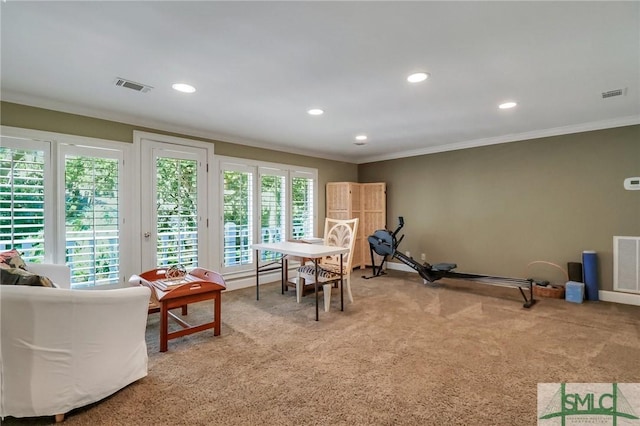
(272,212)
(236,196)
(302,204)
(177,211)
(91,209)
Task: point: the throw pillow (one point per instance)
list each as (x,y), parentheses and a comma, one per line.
(13,259)
(17,276)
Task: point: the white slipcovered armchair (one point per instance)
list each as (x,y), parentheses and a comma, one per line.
(62,349)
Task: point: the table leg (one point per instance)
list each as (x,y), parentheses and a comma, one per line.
(257,275)
(217,311)
(315,285)
(164,326)
(341,285)
(285,273)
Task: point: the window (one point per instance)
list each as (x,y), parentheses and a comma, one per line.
(23,193)
(92,205)
(273,217)
(238,215)
(302,206)
(100,206)
(61,201)
(177,211)
(263,202)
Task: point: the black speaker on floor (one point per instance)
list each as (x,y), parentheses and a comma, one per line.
(575,271)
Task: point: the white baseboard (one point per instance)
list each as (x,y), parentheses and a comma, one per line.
(400,267)
(604,295)
(250,280)
(619,297)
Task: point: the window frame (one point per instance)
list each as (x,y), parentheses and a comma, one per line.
(24,143)
(107,151)
(236,165)
(142,160)
(279,172)
(260,168)
(54,193)
(304,173)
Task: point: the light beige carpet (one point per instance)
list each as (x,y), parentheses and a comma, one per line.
(457,353)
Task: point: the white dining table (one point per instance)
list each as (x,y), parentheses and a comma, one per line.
(301,249)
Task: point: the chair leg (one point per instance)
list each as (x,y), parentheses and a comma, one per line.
(59,418)
(326,290)
(299,288)
(347,282)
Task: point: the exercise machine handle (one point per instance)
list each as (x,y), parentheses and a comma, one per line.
(401,220)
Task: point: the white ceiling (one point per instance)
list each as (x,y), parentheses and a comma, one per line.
(258,67)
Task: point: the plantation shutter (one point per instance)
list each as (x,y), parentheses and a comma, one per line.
(273,208)
(302,216)
(92,215)
(177,211)
(237,223)
(22,200)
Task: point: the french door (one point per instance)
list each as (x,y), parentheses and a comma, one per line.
(174,205)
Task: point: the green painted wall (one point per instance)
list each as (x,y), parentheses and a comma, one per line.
(495,209)
(28,117)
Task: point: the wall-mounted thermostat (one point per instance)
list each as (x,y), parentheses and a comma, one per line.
(632,184)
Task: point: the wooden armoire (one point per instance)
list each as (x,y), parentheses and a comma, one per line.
(367,202)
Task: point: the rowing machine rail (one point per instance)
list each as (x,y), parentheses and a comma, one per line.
(384,243)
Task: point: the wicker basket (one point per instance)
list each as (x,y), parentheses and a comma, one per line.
(548,291)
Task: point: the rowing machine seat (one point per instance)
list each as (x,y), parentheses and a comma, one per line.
(444,267)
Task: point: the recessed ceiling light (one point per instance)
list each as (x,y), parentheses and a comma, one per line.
(507,105)
(361,140)
(185,88)
(417,77)
(315,111)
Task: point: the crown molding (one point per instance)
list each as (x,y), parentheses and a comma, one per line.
(536,134)
(200,133)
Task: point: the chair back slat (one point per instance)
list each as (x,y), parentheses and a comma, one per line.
(340,233)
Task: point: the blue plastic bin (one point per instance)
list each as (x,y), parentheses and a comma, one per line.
(574,292)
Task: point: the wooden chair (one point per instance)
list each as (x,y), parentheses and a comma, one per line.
(340,233)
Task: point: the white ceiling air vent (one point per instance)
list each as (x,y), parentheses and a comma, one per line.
(612,93)
(138,87)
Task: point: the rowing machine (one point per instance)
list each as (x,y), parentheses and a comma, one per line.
(385,243)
